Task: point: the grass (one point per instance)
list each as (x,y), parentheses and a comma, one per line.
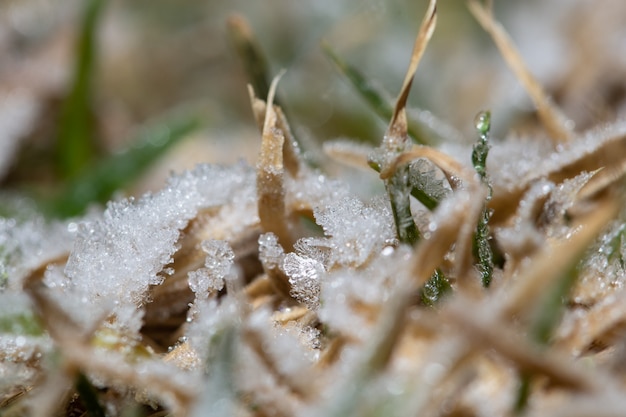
(470,288)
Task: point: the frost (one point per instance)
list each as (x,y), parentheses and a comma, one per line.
(117,258)
(554,214)
(355,230)
(219,262)
(271,253)
(304,276)
(25,245)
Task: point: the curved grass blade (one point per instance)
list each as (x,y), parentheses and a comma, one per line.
(76,145)
(113,173)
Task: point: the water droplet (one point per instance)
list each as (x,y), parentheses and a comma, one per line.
(483,122)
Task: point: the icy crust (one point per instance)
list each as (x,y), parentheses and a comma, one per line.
(518,159)
(25,245)
(116,258)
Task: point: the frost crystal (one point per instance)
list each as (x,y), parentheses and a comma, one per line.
(117,258)
(304,276)
(271,253)
(355,230)
(218,264)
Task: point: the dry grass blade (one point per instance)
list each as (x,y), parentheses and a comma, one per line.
(430,252)
(427,27)
(453,170)
(292,158)
(349,153)
(270,177)
(485,332)
(551,117)
(607,153)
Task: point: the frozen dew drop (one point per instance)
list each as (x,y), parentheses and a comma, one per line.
(483,122)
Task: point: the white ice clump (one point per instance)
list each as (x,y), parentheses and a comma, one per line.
(271,254)
(217,267)
(304,276)
(344,289)
(355,230)
(117,258)
(25,245)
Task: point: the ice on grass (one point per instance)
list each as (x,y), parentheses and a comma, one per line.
(355,230)
(603,271)
(523,236)
(554,214)
(118,257)
(26,245)
(346,293)
(271,254)
(312,189)
(217,267)
(304,276)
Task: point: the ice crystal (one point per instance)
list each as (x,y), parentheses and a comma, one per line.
(304,276)
(271,253)
(218,265)
(355,230)
(117,258)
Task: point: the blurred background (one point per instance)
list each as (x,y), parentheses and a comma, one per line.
(149,59)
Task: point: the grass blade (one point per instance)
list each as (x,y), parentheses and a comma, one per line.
(370,94)
(481,244)
(251,55)
(112,173)
(89,397)
(76,145)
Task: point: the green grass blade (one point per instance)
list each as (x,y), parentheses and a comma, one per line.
(251,55)
(370,94)
(76,146)
(435,289)
(398,190)
(116,171)
(89,397)
(481,246)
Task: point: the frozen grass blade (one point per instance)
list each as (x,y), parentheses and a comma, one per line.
(370,94)
(113,173)
(435,289)
(270,176)
(396,139)
(481,246)
(76,145)
(551,117)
